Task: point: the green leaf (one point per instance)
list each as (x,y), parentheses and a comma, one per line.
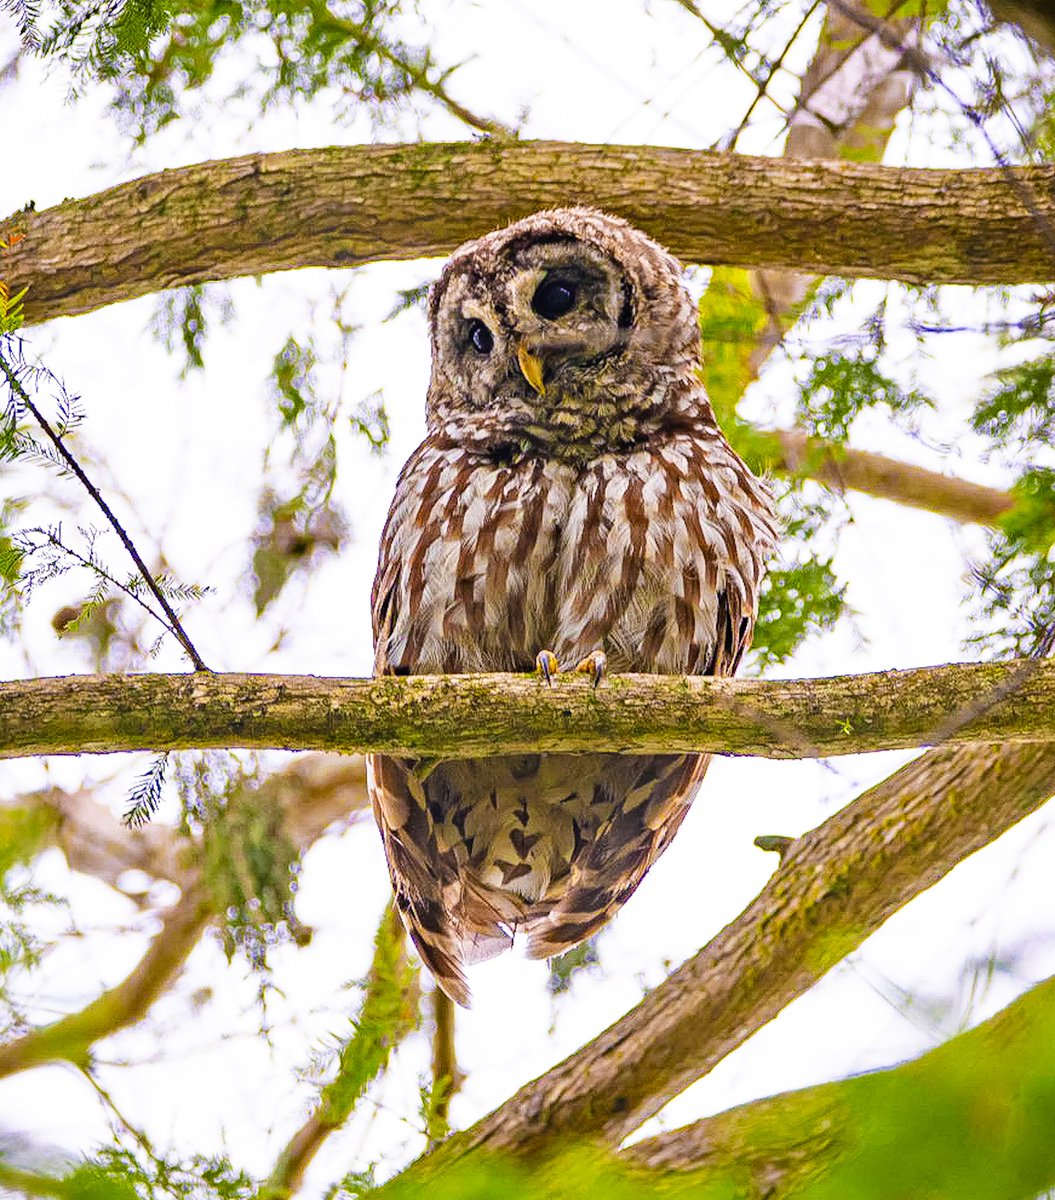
(795,603)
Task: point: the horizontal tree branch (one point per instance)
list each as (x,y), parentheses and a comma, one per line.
(468,715)
(347,205)
(835,886)
(778,1144)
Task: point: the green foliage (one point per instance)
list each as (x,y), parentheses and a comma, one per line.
(251,865)
(303,48)
(795,603)
(294,534)
(805,597)
(389,1012)
(119,1173)
(182,318)
(731,318)
(839,387)
(577,1174)
(294,381)
(370,421)
(300,523)
(1020,410)
(25,830)
(1016,584)
(11,314)
(565,967)
(145,796)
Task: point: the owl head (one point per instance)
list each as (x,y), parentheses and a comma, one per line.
(567,330)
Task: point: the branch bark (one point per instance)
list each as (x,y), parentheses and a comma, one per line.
(835,886)
(469,715)
(840,468)
(344,206)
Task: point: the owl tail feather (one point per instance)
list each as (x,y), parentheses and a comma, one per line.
(440,950)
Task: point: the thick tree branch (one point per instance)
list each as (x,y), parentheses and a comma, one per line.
(469,715)
(343,206)
(835,886)
(777,1144)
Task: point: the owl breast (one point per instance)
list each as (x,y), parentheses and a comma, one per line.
(490,563)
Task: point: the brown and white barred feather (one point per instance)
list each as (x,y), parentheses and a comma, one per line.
(607,512)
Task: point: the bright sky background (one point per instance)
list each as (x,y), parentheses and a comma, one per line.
(182,460)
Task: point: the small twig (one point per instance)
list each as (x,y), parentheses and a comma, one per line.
(108,1102)
(100,570)
(418,74)
(15,384)
(763,85)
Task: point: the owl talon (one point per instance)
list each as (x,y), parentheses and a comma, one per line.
(546,665)
(594,664)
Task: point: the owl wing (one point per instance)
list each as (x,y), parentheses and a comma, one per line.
(426,881)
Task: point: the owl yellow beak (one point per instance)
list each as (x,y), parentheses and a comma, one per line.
(531,368)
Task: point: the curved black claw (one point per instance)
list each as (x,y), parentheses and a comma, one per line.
(546,665)
(594,664)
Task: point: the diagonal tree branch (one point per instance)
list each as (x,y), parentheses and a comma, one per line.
(835,886)
(71,1038)
(468,715)
(344,206)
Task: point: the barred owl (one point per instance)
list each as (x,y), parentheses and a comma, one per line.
(574,503)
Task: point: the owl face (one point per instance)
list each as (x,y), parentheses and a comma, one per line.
(562,330)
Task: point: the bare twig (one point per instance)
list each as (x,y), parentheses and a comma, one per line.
(173,625)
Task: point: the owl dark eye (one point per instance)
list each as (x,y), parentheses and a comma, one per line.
(553,298)
(480,336)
